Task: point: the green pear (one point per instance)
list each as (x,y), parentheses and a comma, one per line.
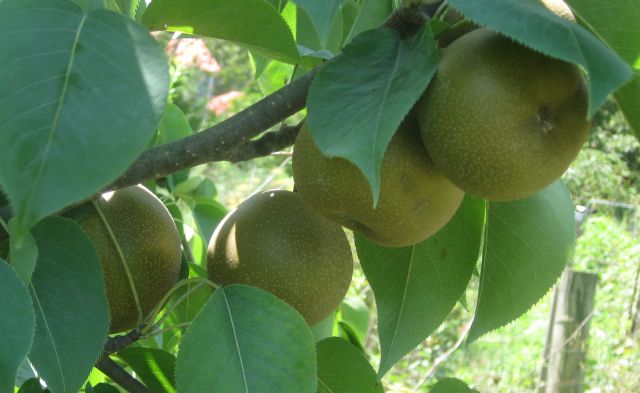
(416,199)
(139,249)
(277,242)
(502,121)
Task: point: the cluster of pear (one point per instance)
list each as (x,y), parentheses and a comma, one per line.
(499,121)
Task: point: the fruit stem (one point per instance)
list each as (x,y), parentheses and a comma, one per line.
(167,329)
(156,310)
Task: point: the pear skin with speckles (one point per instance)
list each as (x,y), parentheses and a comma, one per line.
(501,120)
(277,242)
(415,200)
(134,233)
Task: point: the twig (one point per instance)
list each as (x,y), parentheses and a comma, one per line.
(120,376)
(442,358)
(408,20)
(267,144)
(118,343)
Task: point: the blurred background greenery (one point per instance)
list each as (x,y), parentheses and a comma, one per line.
(213,79)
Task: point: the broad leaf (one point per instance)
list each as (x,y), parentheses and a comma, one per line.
(67,123)
(527,245)
(255,24)
(207,216)
(416,287)
(23,253)
(324,328)
(628,98)
(72,316)
(355,313)
(322,15)
(451,385)
(372,14)
(358,100)
(529,22)
(16,325)
(154,367)
(616,22)
(32,386)
(343,369)
(193,296)
(349,11)
(246,340)
(308,38)
(105,388)
(174,125)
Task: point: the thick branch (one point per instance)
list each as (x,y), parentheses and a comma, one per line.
(215,143)
(120,376)
(219,142)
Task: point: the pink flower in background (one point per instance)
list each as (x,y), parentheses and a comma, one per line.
(223,102)
(192,52)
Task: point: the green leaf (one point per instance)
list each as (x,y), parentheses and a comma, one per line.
(372,14)
(154,367)
(16,325)
(67,127)
(322,15)
(530,23)
(72,316)
(347,332)
(278,4)
(308,37)
(324,328)
(105,388)
(343,369)
(355,313)
(23,253)
(134,9)
(194,296)
(32,386)
(616,22)
(254,24)
(174,125)
(527,245)
(416,287)
(207,217)
(451,385)
(349,11)
(246,340)
(358,100)
(628,98)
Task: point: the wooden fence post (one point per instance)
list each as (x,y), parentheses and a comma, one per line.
(565,349)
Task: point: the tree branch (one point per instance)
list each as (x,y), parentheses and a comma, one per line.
(112,370)
(118,343)
(219,142)
(215,143)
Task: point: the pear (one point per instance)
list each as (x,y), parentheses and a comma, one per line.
(502,121)
(276,241)
(416,199)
